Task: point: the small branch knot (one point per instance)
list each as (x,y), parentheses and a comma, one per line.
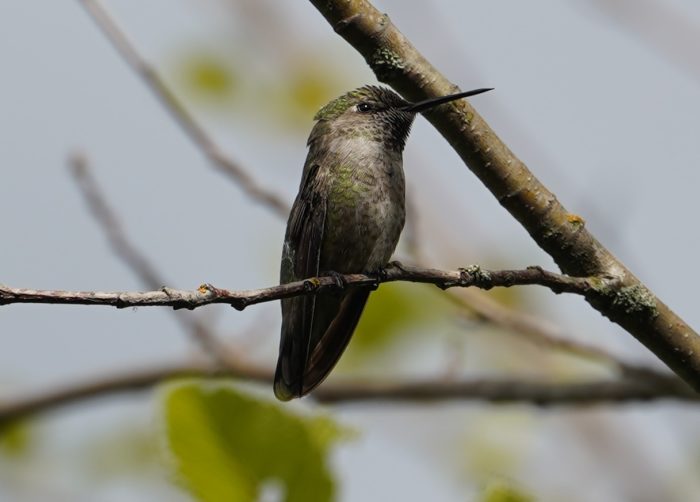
(239,303)
(397,265)
(478,276)
(636,299)
(387,64)
(312,284)
(121,302)
(178,302)
(343,24)
(209,290)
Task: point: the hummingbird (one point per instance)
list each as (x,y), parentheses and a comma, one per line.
(346,219)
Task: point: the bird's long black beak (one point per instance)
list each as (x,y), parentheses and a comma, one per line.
(429,103)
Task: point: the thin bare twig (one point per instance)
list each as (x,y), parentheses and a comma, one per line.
(187,122)
(134,259)
(477,304)
(538,331)
(495,391)
(110,224)
(207,294)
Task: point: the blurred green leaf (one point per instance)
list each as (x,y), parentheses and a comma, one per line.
(125,450)
(226,445)
(510,297)
(207,76)
(392,309)
(310,88)
(303,87)
(496,442)
(504,492)
(15,437)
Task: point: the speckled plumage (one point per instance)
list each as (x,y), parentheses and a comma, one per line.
(347,218)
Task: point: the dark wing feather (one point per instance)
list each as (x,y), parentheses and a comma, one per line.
(301,258)
(335,339)
(315,329)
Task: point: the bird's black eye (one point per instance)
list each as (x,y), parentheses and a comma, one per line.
(364,107)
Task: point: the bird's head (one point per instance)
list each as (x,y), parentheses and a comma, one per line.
(377,114)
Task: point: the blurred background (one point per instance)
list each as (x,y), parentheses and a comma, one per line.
(600,98)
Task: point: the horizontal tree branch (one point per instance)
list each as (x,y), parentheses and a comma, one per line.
(207,294)
(561,234)
(225,356)
(473,300)
(510,391)
(490,390)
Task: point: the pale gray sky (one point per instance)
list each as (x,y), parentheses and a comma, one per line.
(606,119)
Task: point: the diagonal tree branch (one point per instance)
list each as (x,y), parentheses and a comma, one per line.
(561,234)
(183,118)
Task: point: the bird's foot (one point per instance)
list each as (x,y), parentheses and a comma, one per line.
(382,274)
(395,264)
(338,279)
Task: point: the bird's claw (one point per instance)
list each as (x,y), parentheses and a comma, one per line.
(395,264)
(380,275)
(338,279)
